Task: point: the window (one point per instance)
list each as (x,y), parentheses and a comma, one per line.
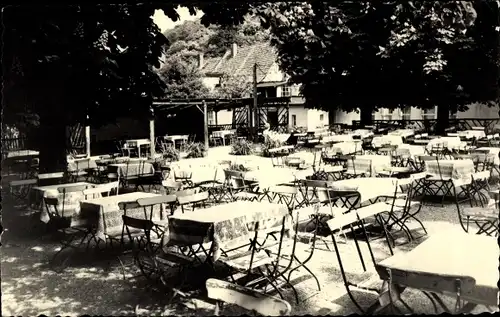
(285,91)
(321,117)
(295,90)
(429,113)
(211,117)
(294,120)
(386,114)
(406,113)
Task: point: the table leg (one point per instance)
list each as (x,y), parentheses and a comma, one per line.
(139,150)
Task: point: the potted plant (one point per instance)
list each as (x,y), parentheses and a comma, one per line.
(242,147)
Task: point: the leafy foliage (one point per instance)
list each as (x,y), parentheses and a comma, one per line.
(195,150)
(182,80)
(170,154)
(242,147)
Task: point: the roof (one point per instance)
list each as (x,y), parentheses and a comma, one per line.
(262,54)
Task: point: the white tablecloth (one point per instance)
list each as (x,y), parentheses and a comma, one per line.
(369,164)
(272,177)
(338,138)
(402,132)
(173,138)
(379,141)
(451,143)
(137,142)
(408,150)
(364,133)
(369,187)
(493,151)
(345,148)
(469,134)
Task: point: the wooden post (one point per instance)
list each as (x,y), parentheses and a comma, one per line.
(253,110)
(87,137)
(87,140)
(152,134)
(205,124)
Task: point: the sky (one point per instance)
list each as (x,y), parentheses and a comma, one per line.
(164,23)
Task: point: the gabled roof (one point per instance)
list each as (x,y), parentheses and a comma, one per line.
(263,54)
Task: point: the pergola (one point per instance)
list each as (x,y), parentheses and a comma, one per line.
(242,112)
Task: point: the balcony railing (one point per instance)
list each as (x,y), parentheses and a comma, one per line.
(429,125)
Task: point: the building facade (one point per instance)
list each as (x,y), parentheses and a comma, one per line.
(235,68)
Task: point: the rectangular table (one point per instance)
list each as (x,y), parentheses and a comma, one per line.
(402,133)
(369,188)
(131,169)
(105,214)
(224,223)
(373,164)
(22,153)
(454,253)
(345,148)
(70,201)
(83,163)
(450,169)
(469,134)
(379,141)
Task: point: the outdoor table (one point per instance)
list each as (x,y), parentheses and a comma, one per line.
(222,134)
(224,223)
(22,154)
(364,133)
(83,163)
(268,177)
(469,134)
(369,188)
(175,138)
(131,169)
(71,201)
(493,152)
(402,133)
(451,143)
(452,253)
(137,143)
(371,163)
(456,170)
(345,148)
(379,141)
(105,214)
(412,151)
(340,138)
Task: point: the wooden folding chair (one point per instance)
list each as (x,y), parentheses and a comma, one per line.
(225,292)
(192,198)
(236,188)
(369,283)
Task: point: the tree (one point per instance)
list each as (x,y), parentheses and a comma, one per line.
(365,55)
(182,80)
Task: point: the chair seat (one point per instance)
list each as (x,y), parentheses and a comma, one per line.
(209,184)
(241,261)
(478,213)
(333,168)
(373,209)
(173,259)
(401,203)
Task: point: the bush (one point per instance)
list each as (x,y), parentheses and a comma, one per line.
(195,150)
(270,143)
(170,154)
(242,147)
(238,167)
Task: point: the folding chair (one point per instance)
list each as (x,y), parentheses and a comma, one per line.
(20,189)
(225,292)
(287,262)
(184,177)
(214,187)
(171,186)
(369,283)
(236,188)
(357,168)
(154,263)
(191,197)
(277,157)
(65,223)
(486,218)
(285,195)
(82,170)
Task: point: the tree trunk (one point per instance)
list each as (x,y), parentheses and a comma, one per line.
(52,143)
(366,117)
(443,120)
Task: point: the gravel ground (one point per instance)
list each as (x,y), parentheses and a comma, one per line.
(94,285)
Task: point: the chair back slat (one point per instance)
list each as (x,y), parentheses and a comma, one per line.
(247,298)
(143,224)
